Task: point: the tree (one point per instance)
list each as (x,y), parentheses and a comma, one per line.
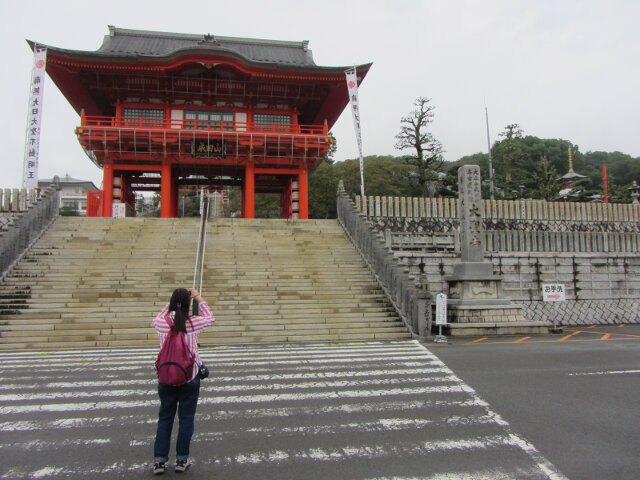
(414,135)
(323,185)
(510,155)
(68,211)
(450,181)
(546,176)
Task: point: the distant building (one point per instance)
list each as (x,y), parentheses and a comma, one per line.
(567,191)
(73,192)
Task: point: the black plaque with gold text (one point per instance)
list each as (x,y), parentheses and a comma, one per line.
(212,148)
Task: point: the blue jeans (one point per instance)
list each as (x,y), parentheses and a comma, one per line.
(184,398)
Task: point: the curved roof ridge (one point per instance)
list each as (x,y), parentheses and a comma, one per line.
(127,42)
(200,37)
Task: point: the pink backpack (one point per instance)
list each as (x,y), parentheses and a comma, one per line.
(174,364)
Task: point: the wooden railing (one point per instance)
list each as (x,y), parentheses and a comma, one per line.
(204,125)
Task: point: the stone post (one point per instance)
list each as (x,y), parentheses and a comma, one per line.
(477,304)
(472,263)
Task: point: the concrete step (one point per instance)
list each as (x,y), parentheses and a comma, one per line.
(100,282)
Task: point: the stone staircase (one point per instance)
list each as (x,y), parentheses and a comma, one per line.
(98,282)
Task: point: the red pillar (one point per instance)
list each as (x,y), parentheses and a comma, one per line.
(303,186)
(175,198)
(107,190)
(166,191)
(249,193)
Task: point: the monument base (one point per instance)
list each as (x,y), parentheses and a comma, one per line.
(477,304)
(504,318)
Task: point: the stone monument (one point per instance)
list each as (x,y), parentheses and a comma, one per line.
(477,304)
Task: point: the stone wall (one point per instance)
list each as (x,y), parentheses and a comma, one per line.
(601,288)
(592,249)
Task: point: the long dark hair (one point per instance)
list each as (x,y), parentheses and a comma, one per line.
(179,303)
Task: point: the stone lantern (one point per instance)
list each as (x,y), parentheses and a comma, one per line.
(635,192)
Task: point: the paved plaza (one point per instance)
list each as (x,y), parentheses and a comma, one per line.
(573,395)
(376,410)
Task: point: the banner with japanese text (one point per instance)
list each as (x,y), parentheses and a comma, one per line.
(34,120)
(352,86)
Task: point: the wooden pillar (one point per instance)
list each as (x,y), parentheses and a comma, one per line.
(107,189)
(249,191)
(303,186)
(166,191)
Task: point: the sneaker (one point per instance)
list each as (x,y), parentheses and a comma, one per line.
(159,468)
(182,465)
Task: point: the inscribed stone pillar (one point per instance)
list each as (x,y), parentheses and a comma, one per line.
(476,300)
(470,204)
(472,263)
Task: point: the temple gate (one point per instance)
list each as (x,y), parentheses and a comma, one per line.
(164,111)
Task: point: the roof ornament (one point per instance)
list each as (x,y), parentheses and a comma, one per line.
(208,38)
(570,161)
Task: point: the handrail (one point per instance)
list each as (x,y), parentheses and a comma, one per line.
(411,302)
(202,240)
(204,125)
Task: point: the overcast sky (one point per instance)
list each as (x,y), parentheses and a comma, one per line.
(560,68)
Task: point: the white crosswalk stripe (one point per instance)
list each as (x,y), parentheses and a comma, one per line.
(374,410)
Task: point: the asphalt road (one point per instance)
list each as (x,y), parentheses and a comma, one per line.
(497,408)
(575,396)
(344,411)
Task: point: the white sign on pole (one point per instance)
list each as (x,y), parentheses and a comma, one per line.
(441,309)
(553,292)
(119,210)
(34,120)
(352,87)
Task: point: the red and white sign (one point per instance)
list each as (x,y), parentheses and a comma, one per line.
(352,86)
(553,292)
(119,210)
(34,120)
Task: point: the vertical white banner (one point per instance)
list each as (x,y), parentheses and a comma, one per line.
(352,86)
(34,120)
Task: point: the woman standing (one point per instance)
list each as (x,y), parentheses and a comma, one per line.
(183,398)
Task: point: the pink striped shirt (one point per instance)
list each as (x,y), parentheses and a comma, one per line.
(196,326)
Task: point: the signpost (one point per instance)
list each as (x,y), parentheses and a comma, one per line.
(554,292)
(441,317)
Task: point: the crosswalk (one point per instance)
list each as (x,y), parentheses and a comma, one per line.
(370,410)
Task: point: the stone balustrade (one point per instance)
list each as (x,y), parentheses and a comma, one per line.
(431,225)
(27,222)
(14,200)
(412,302)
